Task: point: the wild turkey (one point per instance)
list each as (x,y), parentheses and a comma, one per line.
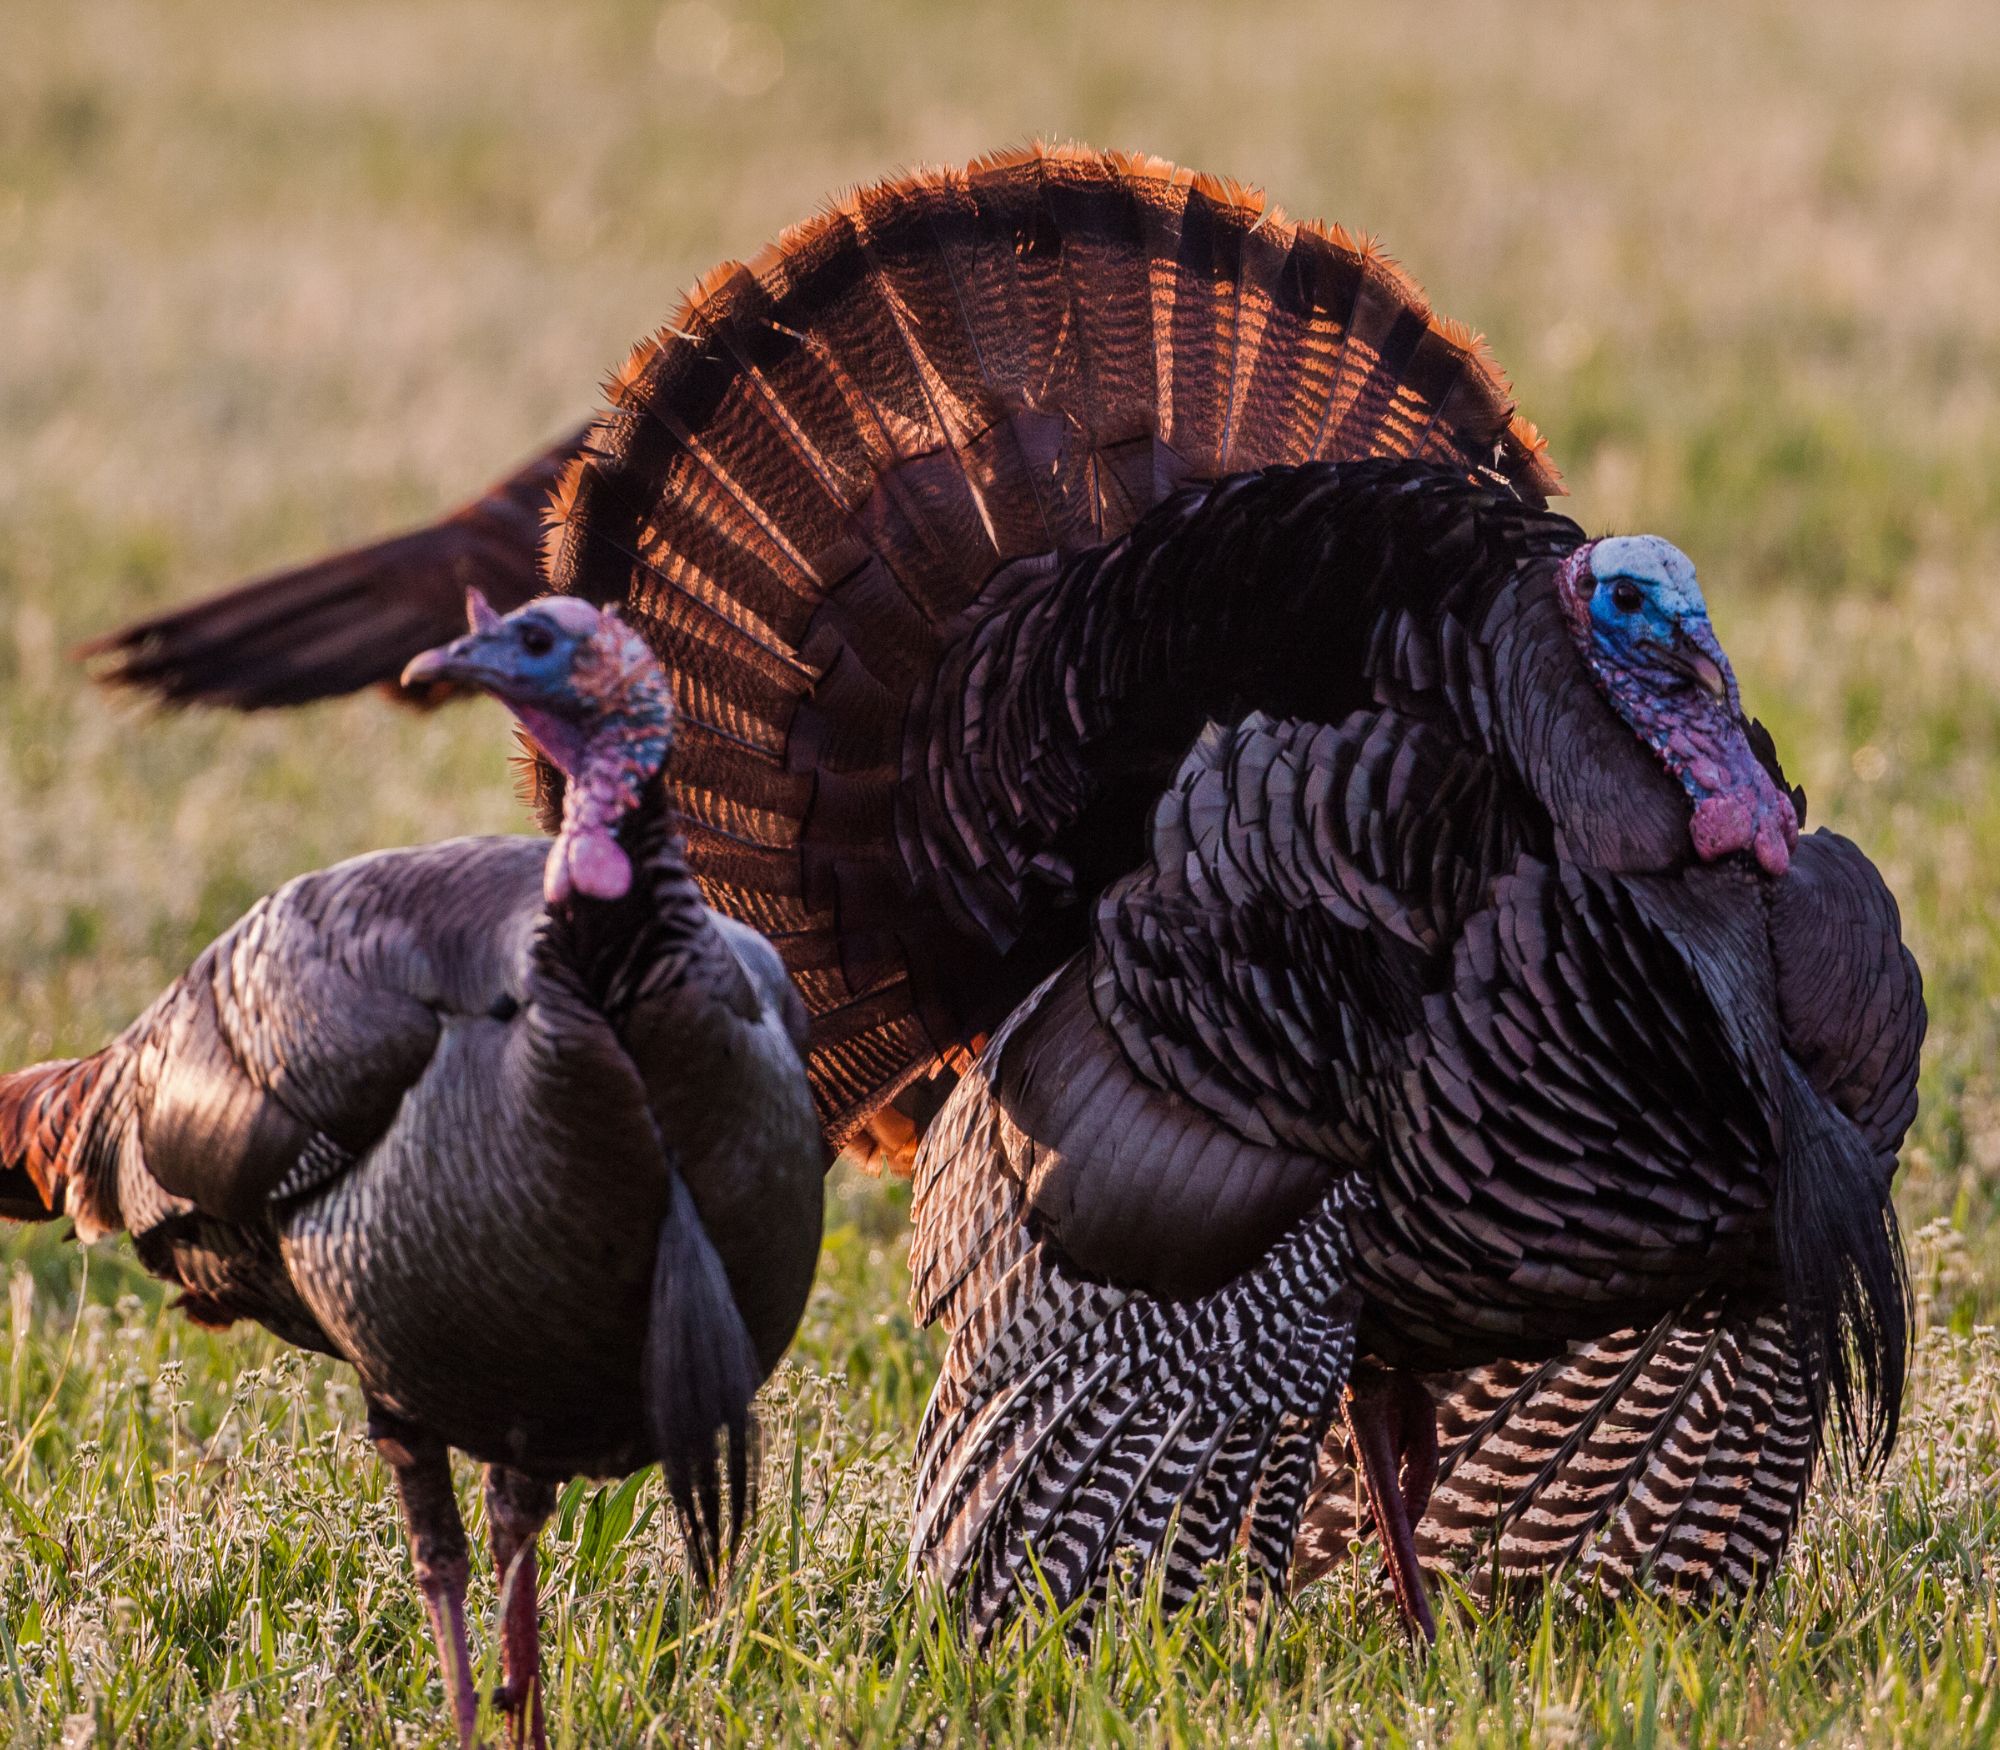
(1418,1035)
(866,497)
(521,1131)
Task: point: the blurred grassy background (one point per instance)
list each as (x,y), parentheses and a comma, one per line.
(274,276)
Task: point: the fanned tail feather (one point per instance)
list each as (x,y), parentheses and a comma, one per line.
(40,1112)
(807,480)
(1677,1458)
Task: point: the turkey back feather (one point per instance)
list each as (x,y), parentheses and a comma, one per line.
(807,480)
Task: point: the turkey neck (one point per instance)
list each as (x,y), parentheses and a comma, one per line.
(610,778)
(648,951)
(659,936)
(720,1068)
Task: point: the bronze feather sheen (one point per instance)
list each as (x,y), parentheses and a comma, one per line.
(852,493)
(816,468)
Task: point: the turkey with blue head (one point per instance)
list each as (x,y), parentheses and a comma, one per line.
(1126,658)
(520,1130)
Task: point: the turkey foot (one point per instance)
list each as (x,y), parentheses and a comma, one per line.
(1394,1428)
(517,1506)
(422,1468)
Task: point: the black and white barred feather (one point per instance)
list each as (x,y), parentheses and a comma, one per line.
(1073,1420)
(1676,1458)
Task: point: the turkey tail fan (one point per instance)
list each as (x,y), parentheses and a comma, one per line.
(1676,1457)
(699,1380)
(836,460)
(345,622)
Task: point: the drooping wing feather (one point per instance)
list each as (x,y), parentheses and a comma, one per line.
(348,621)
(1074,1417)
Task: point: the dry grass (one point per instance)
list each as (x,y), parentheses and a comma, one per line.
(273,276)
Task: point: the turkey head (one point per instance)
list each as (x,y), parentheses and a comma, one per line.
(1638,617)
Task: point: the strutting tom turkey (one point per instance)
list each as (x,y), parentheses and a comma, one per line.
(957,516)
(520,1130)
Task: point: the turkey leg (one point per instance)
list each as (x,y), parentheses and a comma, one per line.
(421,1466)
(1394,1427)
(517,1507)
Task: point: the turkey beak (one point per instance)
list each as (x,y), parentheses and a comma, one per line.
(1698,656)
(465,662)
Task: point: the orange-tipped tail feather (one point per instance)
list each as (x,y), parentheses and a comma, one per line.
(39,1110)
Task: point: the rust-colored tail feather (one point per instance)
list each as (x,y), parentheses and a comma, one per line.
(39,1109)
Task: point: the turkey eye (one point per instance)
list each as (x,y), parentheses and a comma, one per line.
(1625,596)
(537,640)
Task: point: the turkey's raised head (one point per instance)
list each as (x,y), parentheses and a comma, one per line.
(593,697)
(1638,616)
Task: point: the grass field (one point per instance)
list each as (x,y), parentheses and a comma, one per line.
(278,275)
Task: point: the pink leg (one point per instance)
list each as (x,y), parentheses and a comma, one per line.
(422,1468)
(517,1506)
(1394,1427)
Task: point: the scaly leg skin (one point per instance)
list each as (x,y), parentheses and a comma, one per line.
(517,1507)
(421,1465)
(1394,1427)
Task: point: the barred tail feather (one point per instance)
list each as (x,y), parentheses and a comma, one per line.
(1676,1457)
(1167,1428)
(1282,1492)
(1732,1525)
